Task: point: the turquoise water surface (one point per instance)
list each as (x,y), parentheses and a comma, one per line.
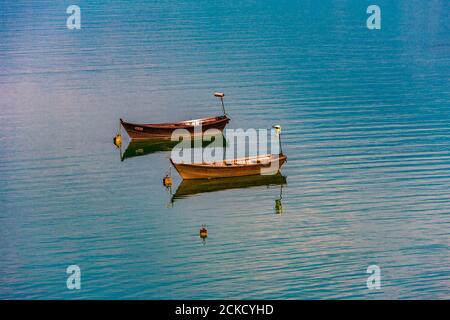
(366,128)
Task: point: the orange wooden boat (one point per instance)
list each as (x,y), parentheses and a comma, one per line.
(263,164)
(164,130)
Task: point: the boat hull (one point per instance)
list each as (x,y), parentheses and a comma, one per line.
(205,171)
(164,130)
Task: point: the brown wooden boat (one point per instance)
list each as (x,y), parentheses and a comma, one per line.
(165,130)
(263,164)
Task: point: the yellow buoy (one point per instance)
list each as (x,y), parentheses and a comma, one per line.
(118,140)
(167,181)
(203,232)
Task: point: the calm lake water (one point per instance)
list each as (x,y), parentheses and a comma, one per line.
(366,128)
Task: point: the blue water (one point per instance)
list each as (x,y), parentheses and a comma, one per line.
(366,128)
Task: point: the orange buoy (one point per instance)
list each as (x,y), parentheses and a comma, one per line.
(167,181)
(203,232)
(118,140)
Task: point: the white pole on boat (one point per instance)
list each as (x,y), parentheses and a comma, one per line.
(221,95)
(278,133)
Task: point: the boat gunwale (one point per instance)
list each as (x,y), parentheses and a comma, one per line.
(179,124)
(224,165)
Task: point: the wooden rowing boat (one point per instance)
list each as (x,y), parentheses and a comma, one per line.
(264,164)
(189,188)
(164,130)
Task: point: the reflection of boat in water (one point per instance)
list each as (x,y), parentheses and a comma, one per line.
(191,187)
(142,147)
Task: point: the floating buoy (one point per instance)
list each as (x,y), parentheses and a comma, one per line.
(203,232)
(167,181)
(118,140)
